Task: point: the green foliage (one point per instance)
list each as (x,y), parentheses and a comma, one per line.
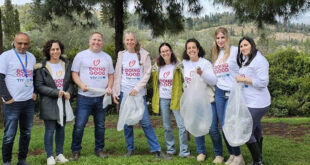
(289,83)
(11,23)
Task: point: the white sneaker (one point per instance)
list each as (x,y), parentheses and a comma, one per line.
(218,160)
(238,160)
(50,161)
(230,160)
(61,159)
(201,157)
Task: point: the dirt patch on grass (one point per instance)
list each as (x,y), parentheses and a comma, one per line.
(35,152)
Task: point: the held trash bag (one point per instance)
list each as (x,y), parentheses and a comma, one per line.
(97,91)
(238,121)
(195,107)
(131,110)
(68,110)
(107,100)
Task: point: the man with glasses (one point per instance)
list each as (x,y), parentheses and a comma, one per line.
(17,92)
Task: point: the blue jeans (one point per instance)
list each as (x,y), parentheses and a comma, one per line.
(221,104)
(15,112)
(170,143)
(50,127)
(214,134)
(257,114)
(86,106)
(147,128)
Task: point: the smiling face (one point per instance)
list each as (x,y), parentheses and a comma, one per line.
(165,53)
(245,47)
(130,42)
(21,43)
(55,52)
(95,43)
(220,40)
(192,51)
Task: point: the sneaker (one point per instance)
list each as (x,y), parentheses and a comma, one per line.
(75,155)
(50,161)
(230,159)
(162,155)
(238,160)
(61,159)
(218,160)
(129,153)
(201,157)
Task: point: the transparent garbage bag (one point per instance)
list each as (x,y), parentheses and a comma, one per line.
(107,100)
(238,121)
(131,110)
(68,110)
(195,107)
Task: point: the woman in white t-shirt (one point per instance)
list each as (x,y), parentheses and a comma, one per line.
(193,61)
(253,73)
(225,68)
(132,72)
(52,81)
(164,73)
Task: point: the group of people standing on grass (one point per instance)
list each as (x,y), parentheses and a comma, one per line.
(93,69)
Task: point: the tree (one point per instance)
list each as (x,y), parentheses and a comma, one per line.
(1,49)
(10,22)
(161,15)
(262,11)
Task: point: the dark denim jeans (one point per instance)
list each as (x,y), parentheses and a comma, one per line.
(147,128)
(52,126)
(15,112)
(86,106)
(221,103)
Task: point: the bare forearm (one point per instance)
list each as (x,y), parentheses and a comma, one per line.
(110,81)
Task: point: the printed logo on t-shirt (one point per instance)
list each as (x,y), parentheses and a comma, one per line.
(245,85)
(221,70)
(21,73)
(59,81)
(59,73)
(96,62)
(166,74)
(189,79)
(165,82)
(96,71)
(132,63)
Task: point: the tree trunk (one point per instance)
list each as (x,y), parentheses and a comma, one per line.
(119,25)
(1,50)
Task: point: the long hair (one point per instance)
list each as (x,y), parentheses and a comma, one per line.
(253,52)
(47,47)
(160,60)
(137,46)
(216,48)
(201,52)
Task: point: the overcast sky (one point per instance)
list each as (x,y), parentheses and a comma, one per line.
(207,9)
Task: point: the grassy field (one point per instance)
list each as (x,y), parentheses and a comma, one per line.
(279,148)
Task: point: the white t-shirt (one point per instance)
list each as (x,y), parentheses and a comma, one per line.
(207,71)
(257,94)
(165,81)
(132,72)
(227,71)
(20,87)
(93,69)
(58,74)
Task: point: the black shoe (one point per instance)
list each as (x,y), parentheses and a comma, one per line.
(129,153)
(100,154)
(75,156)
(6,163)
(22,162)
(162,155)
(255,153)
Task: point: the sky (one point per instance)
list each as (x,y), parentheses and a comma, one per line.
(207,9)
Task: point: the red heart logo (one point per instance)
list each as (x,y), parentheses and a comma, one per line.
(166,74)
(132,63)
(191,73)
(96,62)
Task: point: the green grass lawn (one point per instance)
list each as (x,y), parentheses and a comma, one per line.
(278,150)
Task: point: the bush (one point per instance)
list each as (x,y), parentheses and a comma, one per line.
(289,83)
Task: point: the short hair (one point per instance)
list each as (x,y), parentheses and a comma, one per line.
(21,33)
(201,52)
(96,33)
(160,60)
(48,45)
(252,54)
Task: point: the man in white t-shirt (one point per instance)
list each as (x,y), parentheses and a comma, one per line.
(17,92)
(91,68)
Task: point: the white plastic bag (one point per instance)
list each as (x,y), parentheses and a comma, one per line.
(97,91)
(195,107)
(131,110)
(68,109)
(107,100)
(238,121)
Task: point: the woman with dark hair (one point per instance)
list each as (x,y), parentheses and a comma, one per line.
(193,61)
(254,75)
(53,81)
(132,72)
(225,68)
(164,72)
